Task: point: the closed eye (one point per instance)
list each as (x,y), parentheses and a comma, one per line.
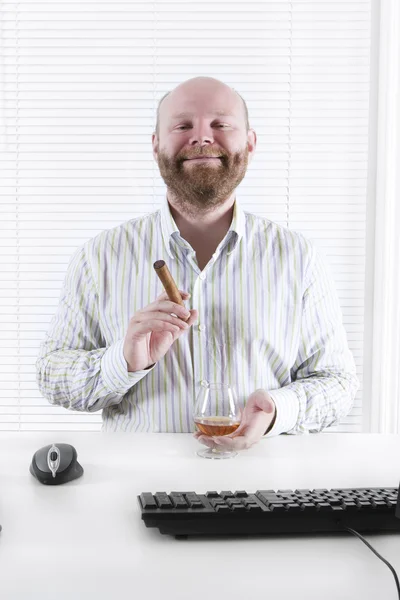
(184,126)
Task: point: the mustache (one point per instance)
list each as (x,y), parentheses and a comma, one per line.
(202,155)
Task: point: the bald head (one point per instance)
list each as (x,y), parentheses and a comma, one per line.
(205,86)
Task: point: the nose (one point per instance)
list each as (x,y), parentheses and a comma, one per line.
(201,134)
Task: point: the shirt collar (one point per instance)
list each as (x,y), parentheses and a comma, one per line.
(169,227)
(238,223)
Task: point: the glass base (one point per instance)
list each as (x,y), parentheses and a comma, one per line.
(216,454)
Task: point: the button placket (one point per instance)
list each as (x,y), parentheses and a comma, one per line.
(198,301)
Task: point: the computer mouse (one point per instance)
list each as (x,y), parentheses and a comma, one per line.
(55,464)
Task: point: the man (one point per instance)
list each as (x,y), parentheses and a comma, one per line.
(265,314)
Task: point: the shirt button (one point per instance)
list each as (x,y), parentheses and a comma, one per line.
(204,383)
(202,327)
(202,276)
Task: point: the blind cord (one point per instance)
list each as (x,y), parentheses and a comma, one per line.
(378,555)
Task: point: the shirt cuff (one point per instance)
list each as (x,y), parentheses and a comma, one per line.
(287,411)
(114,370)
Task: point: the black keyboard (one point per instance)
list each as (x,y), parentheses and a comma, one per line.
(272,512)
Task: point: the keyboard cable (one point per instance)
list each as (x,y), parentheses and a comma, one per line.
(378,555)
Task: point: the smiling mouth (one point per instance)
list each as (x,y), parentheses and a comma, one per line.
(204,158)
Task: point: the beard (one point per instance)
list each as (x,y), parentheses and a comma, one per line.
(201,185)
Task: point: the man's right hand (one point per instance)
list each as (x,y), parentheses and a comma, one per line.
(152,331)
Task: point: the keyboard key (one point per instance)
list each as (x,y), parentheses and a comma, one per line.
(324,507)
(191,495)
(361,498)
(196,504)
(363,504)
(293,507)
(193,500)
(317,498)
(351,506)
(163,500)
(277,508)
(288,496)
(335,502)
(178,500)
(379,505)
(281,501)
(217,501)
(234,501)
(212,495)
(309,507)
(227,494)
(222,508)
(266,496)
(249,500)
(241,494)
(238,507)
(253,507)
(148,501)
(302,499)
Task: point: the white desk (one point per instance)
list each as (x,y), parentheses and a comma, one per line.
(85,539)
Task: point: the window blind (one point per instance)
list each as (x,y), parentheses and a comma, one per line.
(80,86)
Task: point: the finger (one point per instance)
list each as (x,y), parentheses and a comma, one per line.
(166,308)
(194,315)
(164,295)
(184,323)
(207,441)
(174,308)
(239,431)
(238,443)
(149,326)
(160,316)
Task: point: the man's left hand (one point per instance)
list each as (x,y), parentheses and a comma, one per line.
(258,415)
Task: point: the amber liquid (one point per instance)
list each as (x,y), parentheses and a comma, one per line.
(216,425)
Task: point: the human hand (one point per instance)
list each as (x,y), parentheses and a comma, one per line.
(152,331)
(258,415)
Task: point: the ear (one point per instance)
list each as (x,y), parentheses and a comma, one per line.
(155,142)
(251,144)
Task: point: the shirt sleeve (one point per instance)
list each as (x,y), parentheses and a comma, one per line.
(74,368)
(323,378)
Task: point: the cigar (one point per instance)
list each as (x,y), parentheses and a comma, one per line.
(168,282)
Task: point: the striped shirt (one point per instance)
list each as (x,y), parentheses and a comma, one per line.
(269,317)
